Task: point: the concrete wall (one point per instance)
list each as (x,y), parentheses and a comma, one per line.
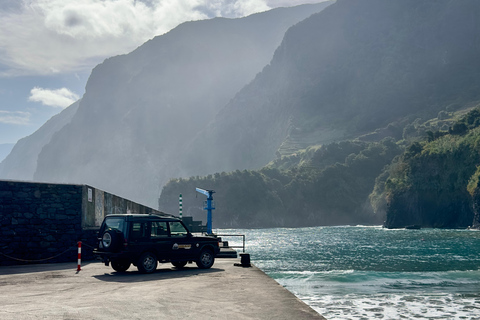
(42,222)
(97,204)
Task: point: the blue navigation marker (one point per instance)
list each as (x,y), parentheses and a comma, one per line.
(209,206)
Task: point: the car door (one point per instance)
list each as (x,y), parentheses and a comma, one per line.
(183,247)
(160,239)
(139,238)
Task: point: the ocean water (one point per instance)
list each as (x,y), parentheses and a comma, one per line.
(370,272)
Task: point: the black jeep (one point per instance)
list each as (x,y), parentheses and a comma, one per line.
(145,239)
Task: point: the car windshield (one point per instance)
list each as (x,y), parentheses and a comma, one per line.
(177,229)
(114,223)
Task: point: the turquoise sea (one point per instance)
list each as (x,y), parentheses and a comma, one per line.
(370,272)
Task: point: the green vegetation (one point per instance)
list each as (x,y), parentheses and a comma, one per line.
(427,180)
(432,183)
(330,187)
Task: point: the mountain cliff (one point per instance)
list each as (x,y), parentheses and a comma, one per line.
(361,70)
(5,149)
(344,72)
(21,162)
(435,182)
(140,108)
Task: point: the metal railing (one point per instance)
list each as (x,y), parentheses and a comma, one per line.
(234,235)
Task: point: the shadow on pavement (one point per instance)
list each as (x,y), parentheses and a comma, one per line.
(132,275)
(31,268)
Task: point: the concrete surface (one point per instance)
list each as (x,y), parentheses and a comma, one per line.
(58,291)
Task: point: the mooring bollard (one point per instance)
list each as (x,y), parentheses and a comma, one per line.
(245,260)
(79,255)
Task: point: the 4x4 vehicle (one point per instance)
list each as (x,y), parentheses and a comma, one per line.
(146,239)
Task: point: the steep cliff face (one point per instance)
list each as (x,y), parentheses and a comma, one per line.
(21,163)
(5,149)
(140,109)
(346,71)
(474,190)
(476,209)
(435,182)
(430,209)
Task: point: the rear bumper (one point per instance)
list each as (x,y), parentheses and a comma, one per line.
(107,257)
(112,254)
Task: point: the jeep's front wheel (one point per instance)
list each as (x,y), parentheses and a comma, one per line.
(147,263)
(205,259)
(120,265)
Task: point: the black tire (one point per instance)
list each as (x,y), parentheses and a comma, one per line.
(147,263)
(179,264)
(112,240)
(205,259)
(120,265)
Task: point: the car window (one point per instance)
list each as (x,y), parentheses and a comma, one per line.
(159,229)
(114,223)
(177,229)
(139,230)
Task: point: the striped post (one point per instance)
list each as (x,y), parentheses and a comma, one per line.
(79,255)
(180,204)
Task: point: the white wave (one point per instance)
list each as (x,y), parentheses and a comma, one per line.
(308,272)
(396,306)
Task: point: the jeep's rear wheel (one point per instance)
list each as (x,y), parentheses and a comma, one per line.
(205,259)
(179,264)
(120,265)
(147,263)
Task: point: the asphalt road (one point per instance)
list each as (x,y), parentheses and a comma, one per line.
(58,291)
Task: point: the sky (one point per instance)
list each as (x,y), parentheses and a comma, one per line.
(48,48)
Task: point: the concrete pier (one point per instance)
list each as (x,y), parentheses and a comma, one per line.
(58,291)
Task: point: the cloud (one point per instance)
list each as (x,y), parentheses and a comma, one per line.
(232,8)
(290,3)
(55,98)
(53,36)
(15,117)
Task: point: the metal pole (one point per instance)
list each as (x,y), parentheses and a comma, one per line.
(209,213)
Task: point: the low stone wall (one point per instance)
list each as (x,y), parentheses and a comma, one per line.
(39,221)
(42,222)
